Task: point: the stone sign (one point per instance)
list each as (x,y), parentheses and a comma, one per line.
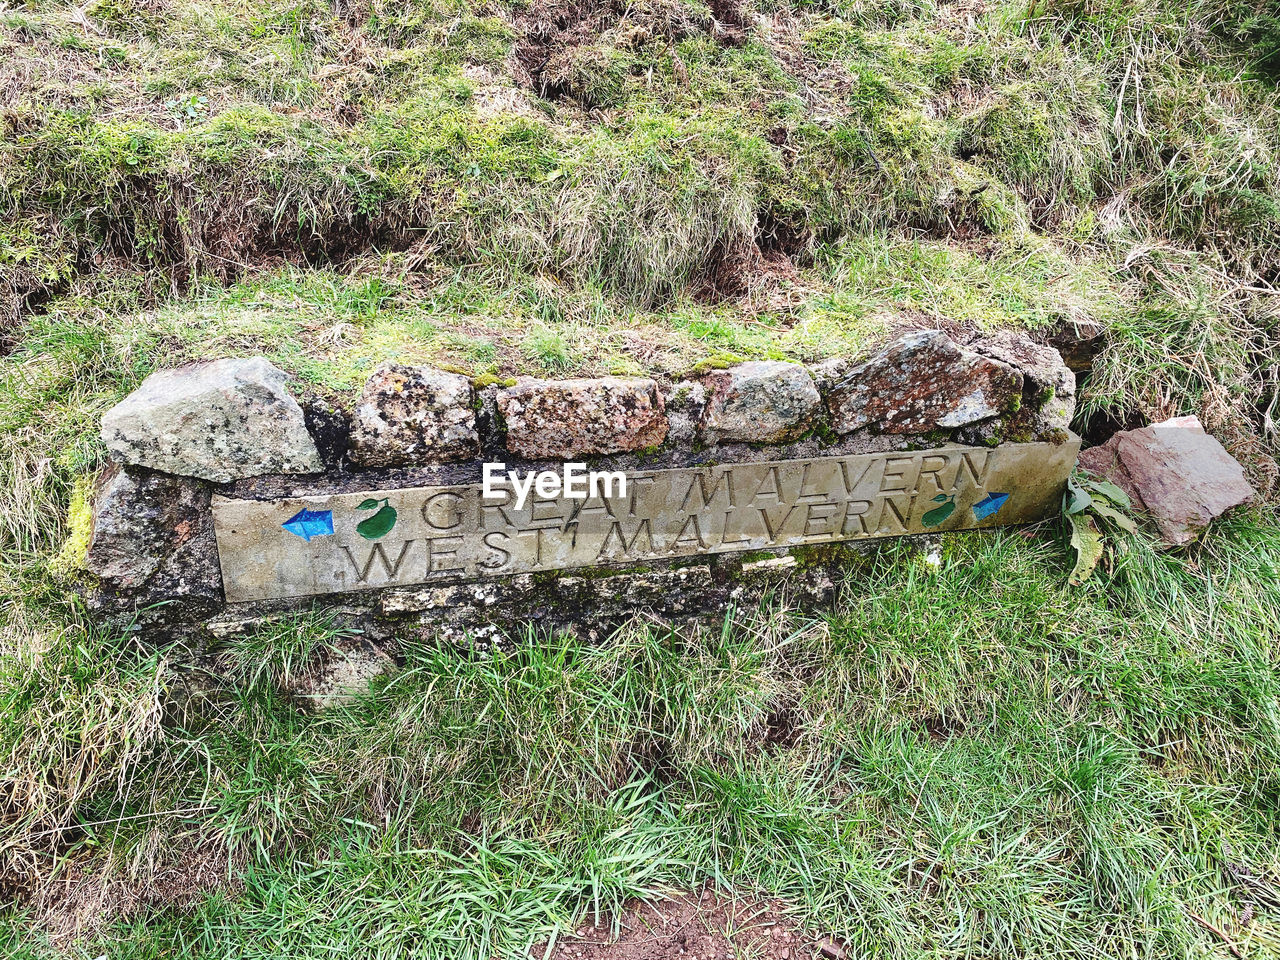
(360,541)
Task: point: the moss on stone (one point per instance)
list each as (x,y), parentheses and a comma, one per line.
(717,361)
(828,555)
(71,559)
(493,380)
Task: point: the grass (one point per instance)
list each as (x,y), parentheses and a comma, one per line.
(1011,167)
(974,760)
(1080,768)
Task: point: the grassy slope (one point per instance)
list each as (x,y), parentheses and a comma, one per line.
(987,762)
(1037,770)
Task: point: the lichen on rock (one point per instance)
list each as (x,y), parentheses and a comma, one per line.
(1048,388)
(138,519)
(152,549)
(921,382)
(563,419)
(414,415)
(220,420)
(766,401)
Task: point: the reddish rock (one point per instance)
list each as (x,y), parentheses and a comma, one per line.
(414,415)
(760,402)
(1174,471)
(563,419)
(924,381)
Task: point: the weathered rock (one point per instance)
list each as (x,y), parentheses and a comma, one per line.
(764,401)
(329,428)
(1174,471)
(829,372)
(563,419)
(923,381)
(684,402)
(1048,390)
(218,421)
(414,415)
(139,518)
(152,549)
(481,614)
(1042,367)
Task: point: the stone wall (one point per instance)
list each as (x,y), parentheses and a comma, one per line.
(236,435)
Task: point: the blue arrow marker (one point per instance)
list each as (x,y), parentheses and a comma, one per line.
(989,505)
(310,523)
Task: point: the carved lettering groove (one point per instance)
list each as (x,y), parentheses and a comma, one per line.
(451,533)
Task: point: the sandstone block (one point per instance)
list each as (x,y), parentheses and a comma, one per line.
(1175,472)
(564,419)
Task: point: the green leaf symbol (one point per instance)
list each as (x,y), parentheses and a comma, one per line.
(380,524)
(938,514)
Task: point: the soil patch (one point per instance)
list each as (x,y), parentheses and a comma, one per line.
(1102,424)
(740,269)
(941,728)
(758,272)
(694,926)
(731,24)
(564,50)
(782,729)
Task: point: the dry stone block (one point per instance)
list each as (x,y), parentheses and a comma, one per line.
(923,381)
(760,402)
(1174,471)
(684,402)
(1048,391)
(139,519)
(563,419)
(153,552)
(219,421)
(1042,366)
(414,415)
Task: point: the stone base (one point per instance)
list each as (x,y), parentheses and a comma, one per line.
(495,614)
(763,478)
(592,604)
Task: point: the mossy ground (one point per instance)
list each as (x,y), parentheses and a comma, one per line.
(989,763)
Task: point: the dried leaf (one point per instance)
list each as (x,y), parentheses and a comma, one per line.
(1087,542)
